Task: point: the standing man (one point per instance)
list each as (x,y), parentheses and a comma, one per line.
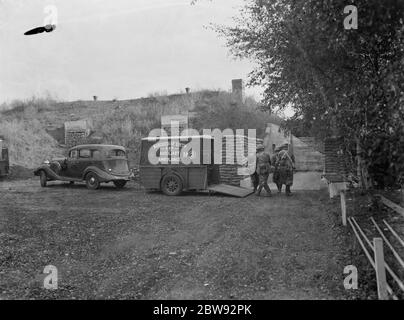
(254,180)
(284,165)
(263,170)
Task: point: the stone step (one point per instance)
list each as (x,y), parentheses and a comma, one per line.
(308,157)
(308,162)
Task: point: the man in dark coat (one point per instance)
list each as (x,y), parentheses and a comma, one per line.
(254,180)
(263,170)
(284,165)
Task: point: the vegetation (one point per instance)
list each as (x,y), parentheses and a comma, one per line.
(223,112)
(126,126)
(24,123)
(340,82)
(28,142)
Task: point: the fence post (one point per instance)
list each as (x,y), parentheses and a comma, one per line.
(380,269)
(343,206)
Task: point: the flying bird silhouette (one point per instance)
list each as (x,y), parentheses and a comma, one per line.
(47,28)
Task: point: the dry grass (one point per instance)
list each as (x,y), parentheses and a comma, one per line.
(127,125)
(28,142)
(23,123)
(222,112)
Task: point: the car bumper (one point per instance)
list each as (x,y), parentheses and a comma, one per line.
(107,177)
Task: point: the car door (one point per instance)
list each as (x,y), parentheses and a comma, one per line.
(72,170)
(84,160)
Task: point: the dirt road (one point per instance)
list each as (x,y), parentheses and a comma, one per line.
(131,244)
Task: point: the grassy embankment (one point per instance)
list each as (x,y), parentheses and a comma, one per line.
(24,123)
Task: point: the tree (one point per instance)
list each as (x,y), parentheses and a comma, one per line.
(340,82)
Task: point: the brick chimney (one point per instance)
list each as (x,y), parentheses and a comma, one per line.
(238,90)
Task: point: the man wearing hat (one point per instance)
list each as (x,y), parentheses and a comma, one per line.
(263,170)
(284,164)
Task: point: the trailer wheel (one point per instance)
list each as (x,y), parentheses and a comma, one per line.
(171,185)
(43,179)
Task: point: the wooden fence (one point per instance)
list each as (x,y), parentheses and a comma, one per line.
(377,260)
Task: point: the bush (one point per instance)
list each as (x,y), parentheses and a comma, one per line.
(222,112)
(27,109)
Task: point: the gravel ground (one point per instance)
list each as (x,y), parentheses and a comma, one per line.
(129,244)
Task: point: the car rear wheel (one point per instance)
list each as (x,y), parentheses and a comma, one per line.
(43,179)
(92,181)
(171,185)
(120,183)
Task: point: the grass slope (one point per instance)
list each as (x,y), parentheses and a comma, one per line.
(23,123)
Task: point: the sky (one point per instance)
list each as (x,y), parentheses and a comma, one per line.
(116,49)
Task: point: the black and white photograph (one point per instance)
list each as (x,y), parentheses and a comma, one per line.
(201,156)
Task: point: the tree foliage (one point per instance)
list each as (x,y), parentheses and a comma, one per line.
(339,81)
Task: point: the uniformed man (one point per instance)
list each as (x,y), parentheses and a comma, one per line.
(263,170)
(254,180)
(284,165)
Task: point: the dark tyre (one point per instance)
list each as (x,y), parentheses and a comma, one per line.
(171,185)
(120,183)
(43,179)
(92,181)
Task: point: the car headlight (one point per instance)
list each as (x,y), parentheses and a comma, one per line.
(46,162)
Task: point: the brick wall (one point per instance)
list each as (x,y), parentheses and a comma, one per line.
(336,169)
(74,138)
(230,173)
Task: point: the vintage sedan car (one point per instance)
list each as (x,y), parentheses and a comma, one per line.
(92,163)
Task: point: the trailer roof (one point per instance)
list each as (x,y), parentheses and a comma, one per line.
(97,146)
(176,137)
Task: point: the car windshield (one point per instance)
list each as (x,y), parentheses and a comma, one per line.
(115,153)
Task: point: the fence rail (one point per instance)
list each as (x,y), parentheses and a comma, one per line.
(378,262)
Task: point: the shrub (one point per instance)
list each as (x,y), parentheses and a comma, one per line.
(221,111)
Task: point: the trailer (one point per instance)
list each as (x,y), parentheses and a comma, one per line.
(168,165)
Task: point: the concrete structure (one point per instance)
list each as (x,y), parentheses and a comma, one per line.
(274,136)
(57,133)
(177,120)
(307,154)
(309,160)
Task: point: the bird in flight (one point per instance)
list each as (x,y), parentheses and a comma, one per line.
(47,28)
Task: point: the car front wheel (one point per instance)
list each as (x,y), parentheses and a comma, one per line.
(120,183)
(43,179)
(92,181)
